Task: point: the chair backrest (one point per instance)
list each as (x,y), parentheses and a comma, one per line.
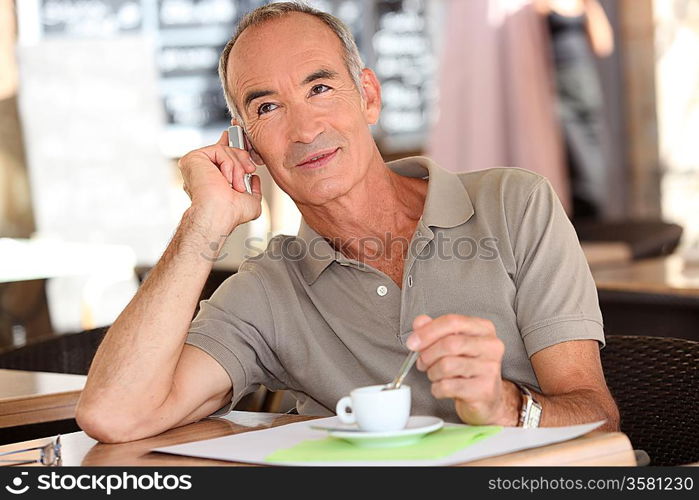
(68,353)
(73,353)
(646,238)
(655,382)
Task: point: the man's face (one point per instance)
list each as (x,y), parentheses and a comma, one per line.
(297,100)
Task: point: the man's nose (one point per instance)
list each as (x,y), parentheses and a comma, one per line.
(305,124)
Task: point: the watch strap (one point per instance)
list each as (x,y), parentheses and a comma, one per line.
(530,413)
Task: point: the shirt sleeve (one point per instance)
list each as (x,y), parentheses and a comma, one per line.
(556,299)
(236,328)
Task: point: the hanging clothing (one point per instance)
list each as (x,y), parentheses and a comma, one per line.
(581,113)
(496,95)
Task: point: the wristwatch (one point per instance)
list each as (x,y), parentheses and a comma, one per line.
(530,414)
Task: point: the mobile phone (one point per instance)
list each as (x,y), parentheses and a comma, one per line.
(236,139)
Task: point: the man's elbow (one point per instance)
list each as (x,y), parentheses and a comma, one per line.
(611,414)
(614,419)
(105,429)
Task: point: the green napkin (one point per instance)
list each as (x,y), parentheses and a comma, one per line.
(438,444)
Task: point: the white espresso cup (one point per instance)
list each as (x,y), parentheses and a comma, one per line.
(374,410)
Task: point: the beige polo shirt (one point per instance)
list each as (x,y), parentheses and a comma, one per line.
(494,244)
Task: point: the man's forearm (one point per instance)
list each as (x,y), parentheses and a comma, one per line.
(133,369)
(578,407)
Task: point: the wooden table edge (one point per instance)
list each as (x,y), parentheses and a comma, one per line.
(583,450)
(648,288)
(38,409)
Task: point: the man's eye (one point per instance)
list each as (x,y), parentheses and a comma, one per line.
(264,108)
(319,89)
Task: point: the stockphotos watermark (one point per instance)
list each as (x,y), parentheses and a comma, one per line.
(371,248)
(102,483)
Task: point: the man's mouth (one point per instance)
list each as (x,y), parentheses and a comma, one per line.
(318,159)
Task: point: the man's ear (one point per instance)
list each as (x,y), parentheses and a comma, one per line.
(371,95)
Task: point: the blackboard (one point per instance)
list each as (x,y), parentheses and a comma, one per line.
(393,36)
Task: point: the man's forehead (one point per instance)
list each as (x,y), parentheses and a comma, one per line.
(289,44)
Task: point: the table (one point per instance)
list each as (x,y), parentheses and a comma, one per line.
(39,258)
(78,449)
(606,253)
(35,397)
(656,297)
(86,285)
(669,275)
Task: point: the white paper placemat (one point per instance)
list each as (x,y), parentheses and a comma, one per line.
(254,446)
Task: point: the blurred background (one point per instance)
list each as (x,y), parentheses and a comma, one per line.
(99,99)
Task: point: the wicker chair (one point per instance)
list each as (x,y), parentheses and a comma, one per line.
(68,353)
(73,353)
(655,382)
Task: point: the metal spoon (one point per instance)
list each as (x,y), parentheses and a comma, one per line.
(404,369)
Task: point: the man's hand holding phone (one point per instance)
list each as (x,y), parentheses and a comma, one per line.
(214,179)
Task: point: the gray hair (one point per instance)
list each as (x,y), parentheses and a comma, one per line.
(353,60)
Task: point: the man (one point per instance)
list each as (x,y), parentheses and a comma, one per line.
(321,315)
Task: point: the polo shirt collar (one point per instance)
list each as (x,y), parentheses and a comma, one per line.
(447,205)
(318,254)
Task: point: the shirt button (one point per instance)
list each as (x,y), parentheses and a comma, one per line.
(410,280)
(382,290)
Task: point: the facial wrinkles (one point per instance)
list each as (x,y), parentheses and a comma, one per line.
(279,72)
(281,66)
(340,99)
